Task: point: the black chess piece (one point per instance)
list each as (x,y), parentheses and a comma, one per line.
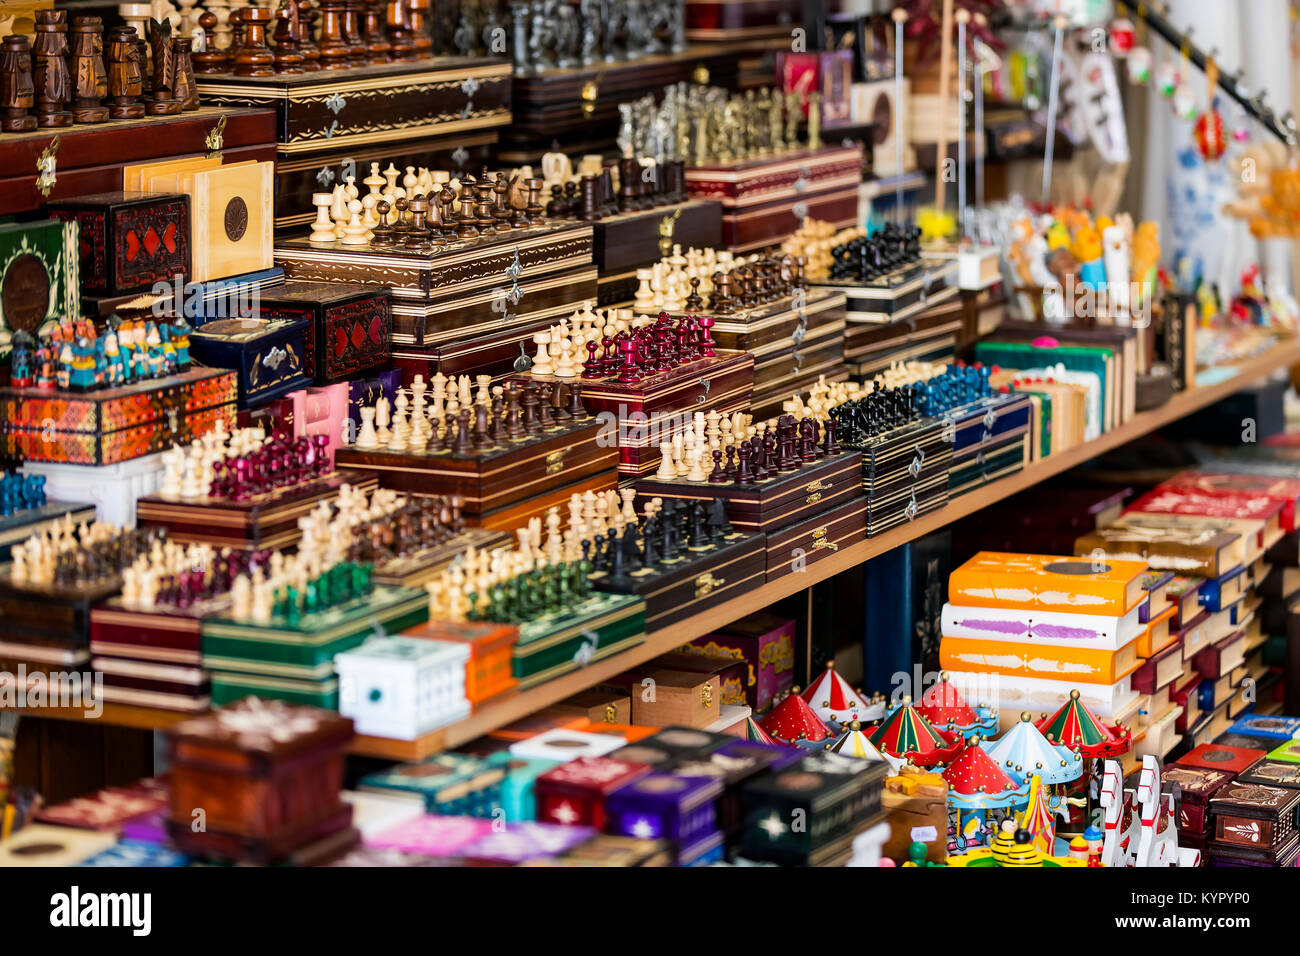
(559,410)
(650,543)
(629,549)
(696,528)
(545,419)
(498,419)
(718,475)
(577,410)
(807,441)
(829,444)
(719,525)
(743,474)
(729,471)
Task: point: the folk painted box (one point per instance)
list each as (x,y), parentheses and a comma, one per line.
(271,356)
(669,807)
(352,324)
(1276,728)
(765,200)
(491,649)
(1192,788)
(268,520)
(450,784)
(466,289)
(1273,773)
(765,643)
(575,793)
(557,644)
(40,277)
(675,590)
(115,424)
(518,786)
(778,501)
(793,813)
(503,475)
(795,547)
(1233,760)
(267,775)
(402,687)
(128,241)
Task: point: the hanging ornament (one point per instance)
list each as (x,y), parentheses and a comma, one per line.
(1184,97)
(1122,36)
(1139,65)
(1167,78)
(1208,132)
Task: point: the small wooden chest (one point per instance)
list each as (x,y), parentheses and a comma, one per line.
(574,794)
(115,424)
(129,240)
(1253,821)
(1192,788)
(683,698)
(793,548)
(352,323)
(271,356)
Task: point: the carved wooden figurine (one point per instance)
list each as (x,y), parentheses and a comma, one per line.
(87,66)
(53,84)
(288,58)
(164,101)
(334,48)
(398,14)
(17,92)
(254,57)
(125,76)
(183,87)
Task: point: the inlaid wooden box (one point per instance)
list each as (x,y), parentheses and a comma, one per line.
(765,200)
(48,623)
(267,777)
(488,481)
(905,473)
(678,590)
(1253,821)
(576,110)
(152,658)
(557,644)
(1192,788)
(680,698)
(88,159)
(780,370)
(906,293)
(794,548)
(466,289)
(352,323)
(574,793)
(652,411)
(628,241)
(272,357)
(115,424)
(777,502)
(268,520)
(39,278)
(129,240)
(494,353)
(932,336)
(988,464)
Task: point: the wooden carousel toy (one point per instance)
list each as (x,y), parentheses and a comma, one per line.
(855,743)
(794,723)
(836,703)
(1023,752)
(945,708)
(977,785)
(906,733)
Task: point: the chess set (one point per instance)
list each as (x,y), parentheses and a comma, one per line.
(245,489)
(906,455)
(647,379)
(883,275)
(760,304)
(51,583)
(288,620)
(26,510)
(546,592)
(507,451)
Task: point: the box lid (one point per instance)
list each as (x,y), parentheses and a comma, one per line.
(1273,773)
(393,651)
(687,742)
(1231,760)
(592,775)
(270,727)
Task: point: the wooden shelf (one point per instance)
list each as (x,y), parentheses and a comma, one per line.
(501,712)
(119,715)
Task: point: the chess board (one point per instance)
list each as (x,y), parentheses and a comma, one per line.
(114,424)
(153,657)
(268,520)
(784,499)
(21,525)
(511,473)
(988,464)
(905,473)
(50,615)
(556,644)
(929,336)
(413,570)
(904,293)
(466,289)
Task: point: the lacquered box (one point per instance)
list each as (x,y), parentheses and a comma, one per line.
(672,807)
(687,743)
(575,793)
(1252,820)
(491,647)
(40,269)
(271,356)
(766,643)
(128,241)
(794,548)
(735,765)
(267,777)
(1192,788)
(556,644)
(450,784)
(115,424)
(352,324)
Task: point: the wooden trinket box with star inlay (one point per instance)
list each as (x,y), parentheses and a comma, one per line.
(352,323)
(671,806)
(574,793)
(271,356)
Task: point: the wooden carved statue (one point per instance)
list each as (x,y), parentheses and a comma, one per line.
(87,66)
(51,78)
(164,102)
(125,77)
(17,91)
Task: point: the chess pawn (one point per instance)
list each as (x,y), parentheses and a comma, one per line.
(354,233)
(367,437)
(382,419)
(566,367)
(542,361)
(322,227)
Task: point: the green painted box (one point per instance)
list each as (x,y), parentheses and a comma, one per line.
(556,644)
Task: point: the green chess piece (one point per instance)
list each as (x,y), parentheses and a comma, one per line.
(292,610)
(472,614)
(362,574)
(311,597)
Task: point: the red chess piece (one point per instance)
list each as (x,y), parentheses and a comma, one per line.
(706,337)
(630,374)
(592,367)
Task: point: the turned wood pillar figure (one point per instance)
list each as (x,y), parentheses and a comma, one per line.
(51,78)
(307,16)
(17,91)
(210,59)
(254,57)
(372,28)
(334,49)
(400,41)
(420,27)
(125,75)
(358,55)
(163,101)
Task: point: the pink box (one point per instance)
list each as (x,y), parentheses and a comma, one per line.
(431,835)
(766,643)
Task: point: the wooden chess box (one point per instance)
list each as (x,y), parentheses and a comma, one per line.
(263,795)
(697,578)
(765,200)
(785,499)
(89,158)
(21,525)
(294,661)
(782,322)
(714,21)
(271,356)
(52,616)
(1253,821)
(628,241)
(502,476)
(905,474)
(802,544)
(653,410)
(782,369)
(386,103)
(988,464)
(129,240)
(416,569)
(557,644)
(904,293)
(576,110)
(466,289)
(268,520)
(495,353)
(115,424)
(352,325)
(929,336)
(152,657)
(988,424)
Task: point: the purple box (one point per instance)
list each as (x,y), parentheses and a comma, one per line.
(735,765)
(363,392)
(431,835)
(766,643)
(665,806)
(527,840)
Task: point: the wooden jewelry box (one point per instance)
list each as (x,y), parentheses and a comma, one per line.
(271,356)
(765,200)
(673,807)
(267,777)
(466,289)
(1193,787)
(1252,821)
(575,793)
(268,520)
(492,483)
(352,325)
(294,660)
(129,240)
(559,643)
(115,424)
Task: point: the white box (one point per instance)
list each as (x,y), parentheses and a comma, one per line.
(112,489)
(402,687)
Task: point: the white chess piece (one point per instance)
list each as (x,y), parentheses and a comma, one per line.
(322,227)
(367,437)
(666,470)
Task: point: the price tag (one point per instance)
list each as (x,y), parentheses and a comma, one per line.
(924,834)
